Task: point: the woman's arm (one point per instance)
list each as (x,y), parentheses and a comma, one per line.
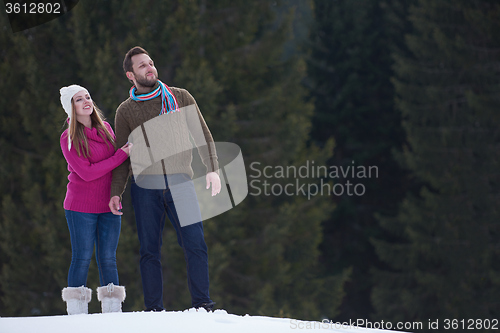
(84,168)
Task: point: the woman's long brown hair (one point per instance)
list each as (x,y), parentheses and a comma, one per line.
(76,130)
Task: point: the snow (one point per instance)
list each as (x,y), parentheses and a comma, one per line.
(189,321)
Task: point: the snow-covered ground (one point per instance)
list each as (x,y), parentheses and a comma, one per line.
(188,321)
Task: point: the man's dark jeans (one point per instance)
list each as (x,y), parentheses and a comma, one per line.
(151,206)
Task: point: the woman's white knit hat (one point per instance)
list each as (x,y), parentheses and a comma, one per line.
(67,94)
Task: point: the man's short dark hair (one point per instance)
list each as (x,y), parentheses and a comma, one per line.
(127,62)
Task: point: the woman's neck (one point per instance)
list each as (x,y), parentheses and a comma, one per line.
(85,121)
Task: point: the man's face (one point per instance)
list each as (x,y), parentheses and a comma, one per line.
(144,72)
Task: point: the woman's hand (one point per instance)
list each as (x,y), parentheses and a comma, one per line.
(127,148)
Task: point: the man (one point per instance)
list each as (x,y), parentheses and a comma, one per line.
(149,99)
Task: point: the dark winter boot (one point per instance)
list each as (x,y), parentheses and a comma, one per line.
(207,306)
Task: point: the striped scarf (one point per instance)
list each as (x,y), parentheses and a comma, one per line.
(168,100)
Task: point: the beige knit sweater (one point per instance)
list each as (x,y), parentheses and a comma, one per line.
(171,130)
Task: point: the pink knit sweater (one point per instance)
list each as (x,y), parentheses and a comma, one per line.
(89,184)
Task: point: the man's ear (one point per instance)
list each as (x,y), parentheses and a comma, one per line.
(130,76)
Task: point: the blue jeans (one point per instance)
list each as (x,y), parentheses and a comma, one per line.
(151,206)
(87,231)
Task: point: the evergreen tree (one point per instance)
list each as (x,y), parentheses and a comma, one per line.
(349,69)
(442,263)
(33,240)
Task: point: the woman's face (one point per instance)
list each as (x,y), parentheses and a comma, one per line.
(83,103)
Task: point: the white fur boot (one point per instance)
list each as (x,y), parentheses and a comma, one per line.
(111,298)
(77,299)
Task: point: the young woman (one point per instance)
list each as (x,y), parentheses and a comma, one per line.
(88,145)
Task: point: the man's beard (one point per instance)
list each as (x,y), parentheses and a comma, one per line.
(145,82)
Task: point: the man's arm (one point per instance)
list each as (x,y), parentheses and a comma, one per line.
(120,173)
(201,134)
(204,142)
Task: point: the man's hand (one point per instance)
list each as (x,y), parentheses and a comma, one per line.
(213,178)
(114,205)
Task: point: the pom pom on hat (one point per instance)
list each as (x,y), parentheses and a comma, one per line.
(67,94)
